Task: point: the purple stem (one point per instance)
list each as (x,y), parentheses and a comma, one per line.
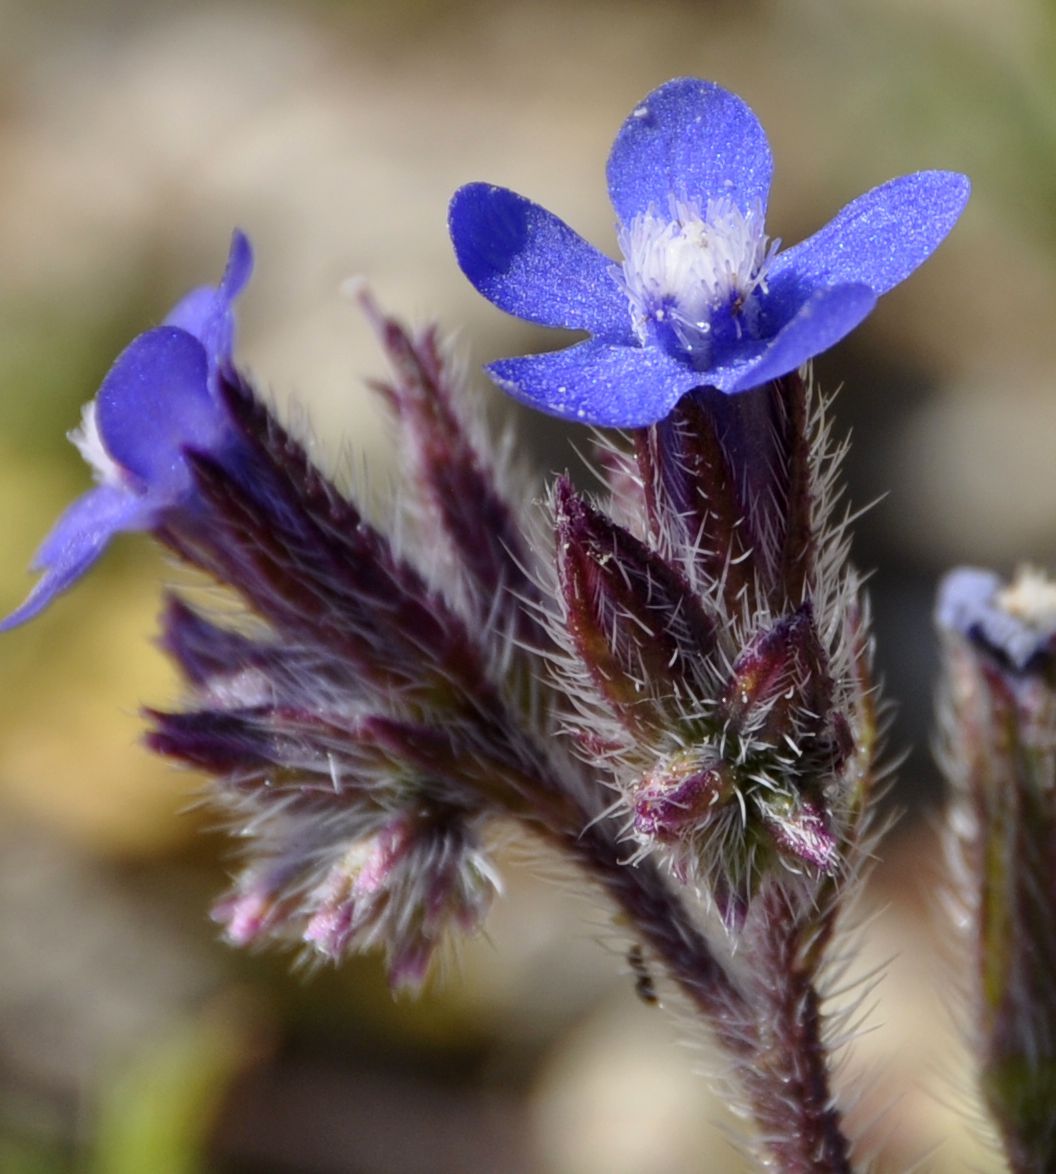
(772,1029)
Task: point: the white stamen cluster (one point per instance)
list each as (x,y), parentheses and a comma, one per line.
(683,267)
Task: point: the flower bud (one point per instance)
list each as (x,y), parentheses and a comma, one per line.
(779,689)
(692,501)
(801,831)
(402,888)
(264,901)
(635,624)
(683,797)
(458,485)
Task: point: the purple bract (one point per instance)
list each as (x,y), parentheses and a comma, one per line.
(159,400)
(703,297)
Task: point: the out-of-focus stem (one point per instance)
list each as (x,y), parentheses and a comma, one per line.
(1001,757)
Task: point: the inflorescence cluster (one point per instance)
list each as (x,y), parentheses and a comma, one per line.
(668,681)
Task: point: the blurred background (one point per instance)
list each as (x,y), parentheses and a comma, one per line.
(133,136)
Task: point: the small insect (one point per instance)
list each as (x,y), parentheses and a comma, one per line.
(644,986)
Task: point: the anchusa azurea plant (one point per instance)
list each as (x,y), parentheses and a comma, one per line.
(667,680)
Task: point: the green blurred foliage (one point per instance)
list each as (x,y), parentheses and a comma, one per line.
(158,1111)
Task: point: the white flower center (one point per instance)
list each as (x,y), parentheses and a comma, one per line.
(1031,598)
(690,276)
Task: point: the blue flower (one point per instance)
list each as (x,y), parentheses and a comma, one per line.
(1014,622)
(159,399)
(702,297)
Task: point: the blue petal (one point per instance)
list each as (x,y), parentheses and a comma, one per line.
(690,139)
(194,311)
(76,541)
(532,265)
(878,239)
(239,267)
(206,312)
(822,320)
(154,401)
(597,383)
(966,595)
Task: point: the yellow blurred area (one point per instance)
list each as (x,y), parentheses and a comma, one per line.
(80,734)
(133,137)
(71,682)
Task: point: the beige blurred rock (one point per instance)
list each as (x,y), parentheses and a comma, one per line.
(92,968)
(905,1076)
(974,470)
(543,959)
(618,1096)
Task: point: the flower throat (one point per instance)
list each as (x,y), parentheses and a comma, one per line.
(690,277)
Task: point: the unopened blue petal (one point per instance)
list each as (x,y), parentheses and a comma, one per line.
(822,320)
(596,383)
(691,139)
(76,541)
(532,265)
(878,239)
(154,401)
(206,312)
(194,311)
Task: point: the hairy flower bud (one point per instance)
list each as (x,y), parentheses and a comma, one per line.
(403,888)
(801,831)
(683,796)
(458,485)
(779,688)
(635,624)
(265,901)
(692,498)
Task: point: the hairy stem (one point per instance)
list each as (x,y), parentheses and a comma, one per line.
(788,1082)
(771,1028)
